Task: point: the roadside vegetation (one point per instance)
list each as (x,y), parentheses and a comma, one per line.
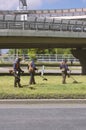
(52,88)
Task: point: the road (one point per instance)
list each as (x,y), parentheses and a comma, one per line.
(53,70)
(43,117)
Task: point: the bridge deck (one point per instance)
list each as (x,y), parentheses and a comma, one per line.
(42,34)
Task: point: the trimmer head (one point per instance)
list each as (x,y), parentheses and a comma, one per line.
(45,79)
(75,81)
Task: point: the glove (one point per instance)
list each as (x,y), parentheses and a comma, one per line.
(11,71)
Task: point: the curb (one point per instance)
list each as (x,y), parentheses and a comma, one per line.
(42,101)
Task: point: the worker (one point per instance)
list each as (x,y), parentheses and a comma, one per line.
(17,72)
(64,68)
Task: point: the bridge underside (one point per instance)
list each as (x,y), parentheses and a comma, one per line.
(40,39)
(41,42)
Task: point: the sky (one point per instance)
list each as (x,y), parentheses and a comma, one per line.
(42,4)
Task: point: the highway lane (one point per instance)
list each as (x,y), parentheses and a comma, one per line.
(43,117)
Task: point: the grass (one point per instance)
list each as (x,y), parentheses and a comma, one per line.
(52,88)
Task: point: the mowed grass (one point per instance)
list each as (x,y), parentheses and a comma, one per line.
(52,88)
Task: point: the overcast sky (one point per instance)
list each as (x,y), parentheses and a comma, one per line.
(43,4)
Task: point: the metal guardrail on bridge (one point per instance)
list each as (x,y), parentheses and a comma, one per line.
(42,23)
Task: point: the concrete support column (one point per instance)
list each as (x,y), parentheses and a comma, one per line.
(81,55)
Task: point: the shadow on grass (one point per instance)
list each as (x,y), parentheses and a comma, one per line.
(28,86)
(76,82)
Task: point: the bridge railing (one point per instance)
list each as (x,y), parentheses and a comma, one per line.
(45,13)
(45,24)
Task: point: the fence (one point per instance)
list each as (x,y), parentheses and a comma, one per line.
(6,58)
(45,24)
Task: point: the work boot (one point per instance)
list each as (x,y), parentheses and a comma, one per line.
(15,84)
(19,85)
(34,82)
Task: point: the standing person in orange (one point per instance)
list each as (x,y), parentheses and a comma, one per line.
(32,69)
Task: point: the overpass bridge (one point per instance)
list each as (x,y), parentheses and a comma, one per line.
(43,33)
(43,28)
(39,29)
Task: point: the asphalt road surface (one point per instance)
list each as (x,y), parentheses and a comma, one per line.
(43,117)
(53,70)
